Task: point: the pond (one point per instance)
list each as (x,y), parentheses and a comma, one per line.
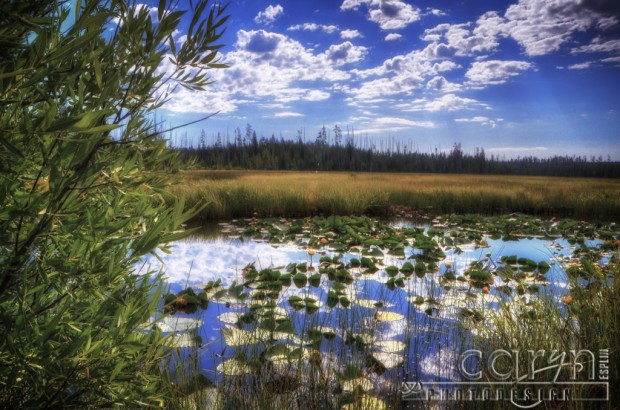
(366,302)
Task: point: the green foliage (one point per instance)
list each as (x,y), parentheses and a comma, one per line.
(82,172)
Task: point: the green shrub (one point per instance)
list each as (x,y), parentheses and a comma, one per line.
(82,172)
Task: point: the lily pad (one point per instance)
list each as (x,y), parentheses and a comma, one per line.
(178,324)
(233,367)
(388,316)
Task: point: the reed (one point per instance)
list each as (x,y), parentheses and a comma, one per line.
(233,194)
(314,379)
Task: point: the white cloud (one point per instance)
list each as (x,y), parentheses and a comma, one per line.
(543,26)
(267,67)
(138,8)
(539,26)
(598,45)
(404,122)
(435,12)
(581,66)
(439,83)
(345,53)
(350,34)
(400,75)
(451,102)
(494,72)
(480,120)
(392,37)
(389,14)
(204,102)
(269,15)
(393,14)
(461,40)
(611,60)
(316,95)
(314,27)
(447,102)
(353,4)
(381,87)
(287,114)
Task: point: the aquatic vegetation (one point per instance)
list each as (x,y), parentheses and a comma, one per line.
(347,316)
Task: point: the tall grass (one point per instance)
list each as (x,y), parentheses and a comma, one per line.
(232,194)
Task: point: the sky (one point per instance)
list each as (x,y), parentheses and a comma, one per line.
(517,78)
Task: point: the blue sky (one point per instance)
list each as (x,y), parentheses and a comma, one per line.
(523,77)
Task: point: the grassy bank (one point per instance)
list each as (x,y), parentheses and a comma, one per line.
(230,194)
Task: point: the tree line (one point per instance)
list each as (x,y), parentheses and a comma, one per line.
(342,151)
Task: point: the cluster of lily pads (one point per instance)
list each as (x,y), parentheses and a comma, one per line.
(297,320)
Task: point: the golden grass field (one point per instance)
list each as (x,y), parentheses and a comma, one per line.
(229,194)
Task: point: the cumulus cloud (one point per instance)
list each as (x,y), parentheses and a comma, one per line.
(345,53)
(316,95)
(259,41)
(389,14)
(494,72)
(399,76)
(447,103)
(448,40)
(350,34)
(539,26)
(451,102)
(313,27)
(393,14)
(353,4)
(542,26)
(269,15)
(435,12)
(392,37)
(439,83)
(267,67)
(204,102)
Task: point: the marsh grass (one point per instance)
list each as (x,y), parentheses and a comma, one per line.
(314,380)
(232,194)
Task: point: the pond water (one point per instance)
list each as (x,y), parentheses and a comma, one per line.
(398,300)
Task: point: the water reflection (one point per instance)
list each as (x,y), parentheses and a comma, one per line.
(432,330)
(196,261)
